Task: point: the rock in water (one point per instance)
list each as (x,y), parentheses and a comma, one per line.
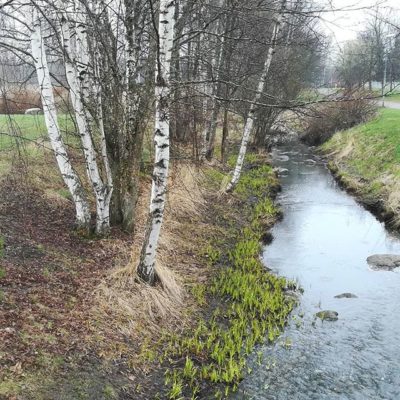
(384,262)
(327,315)
(282,158)
(346,296)
(309,161)
(281,171)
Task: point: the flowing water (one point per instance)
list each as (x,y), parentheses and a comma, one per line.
(323,242)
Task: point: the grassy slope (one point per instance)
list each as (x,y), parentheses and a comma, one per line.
(367,159)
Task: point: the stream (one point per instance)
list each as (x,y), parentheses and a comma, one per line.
(323,242)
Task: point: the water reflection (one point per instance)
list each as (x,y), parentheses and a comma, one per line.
(323,242)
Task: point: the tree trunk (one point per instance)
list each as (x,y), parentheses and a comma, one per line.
(146,268)
(250,117)
(225,133)
(76,66)
(70,177)
(216,66)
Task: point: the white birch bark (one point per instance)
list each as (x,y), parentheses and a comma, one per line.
(208,135)
(131,69)
(102,221)
(69,175)
(82,58)
(161,140)
(250,116)
(76,72)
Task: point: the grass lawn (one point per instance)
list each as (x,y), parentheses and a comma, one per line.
(25,128)
(394,97)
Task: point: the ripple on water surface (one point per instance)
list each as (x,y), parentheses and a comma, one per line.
(323,242)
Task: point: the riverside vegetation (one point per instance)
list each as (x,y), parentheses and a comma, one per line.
(236,302)
(252,306)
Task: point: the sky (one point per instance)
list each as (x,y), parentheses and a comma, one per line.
(344,25)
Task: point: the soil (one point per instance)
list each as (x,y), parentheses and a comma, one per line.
(49,274)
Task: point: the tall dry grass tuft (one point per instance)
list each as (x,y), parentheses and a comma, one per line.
(137,311)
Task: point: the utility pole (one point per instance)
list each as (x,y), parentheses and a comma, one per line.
(386,50)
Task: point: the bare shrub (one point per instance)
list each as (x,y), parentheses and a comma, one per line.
(328,118)
(17,99)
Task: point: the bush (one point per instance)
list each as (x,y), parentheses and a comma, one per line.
(17,99)
(339,114)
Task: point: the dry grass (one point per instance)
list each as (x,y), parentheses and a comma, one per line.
(137,311)
(393,201)
(347,150)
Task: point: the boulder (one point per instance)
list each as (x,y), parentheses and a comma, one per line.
(327,315)
(384,262)
(346,296)
(281,171)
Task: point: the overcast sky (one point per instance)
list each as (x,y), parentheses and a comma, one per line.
(344,25)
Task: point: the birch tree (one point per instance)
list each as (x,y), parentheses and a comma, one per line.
(78,77)
(216,65)
(253,107)
(146,268)
(70,177)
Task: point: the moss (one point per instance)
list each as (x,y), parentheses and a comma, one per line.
(252,306)
(109,392)
(8,388)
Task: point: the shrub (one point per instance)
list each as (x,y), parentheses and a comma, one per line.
(340,114)
(16,100)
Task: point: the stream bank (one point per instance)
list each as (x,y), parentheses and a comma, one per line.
(365,160)
(323,242)
(79,325)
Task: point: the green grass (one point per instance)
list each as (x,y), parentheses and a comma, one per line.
(252,307)
(28,128)
(395,97)
(375,147)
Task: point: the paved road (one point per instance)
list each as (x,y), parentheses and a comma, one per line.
(392,104)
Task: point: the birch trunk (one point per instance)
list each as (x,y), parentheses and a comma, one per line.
(216,64)
(128,141)
(261,85)
(166,24)
(70,177)
(76,73)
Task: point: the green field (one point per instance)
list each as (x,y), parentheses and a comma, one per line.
(24,129)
